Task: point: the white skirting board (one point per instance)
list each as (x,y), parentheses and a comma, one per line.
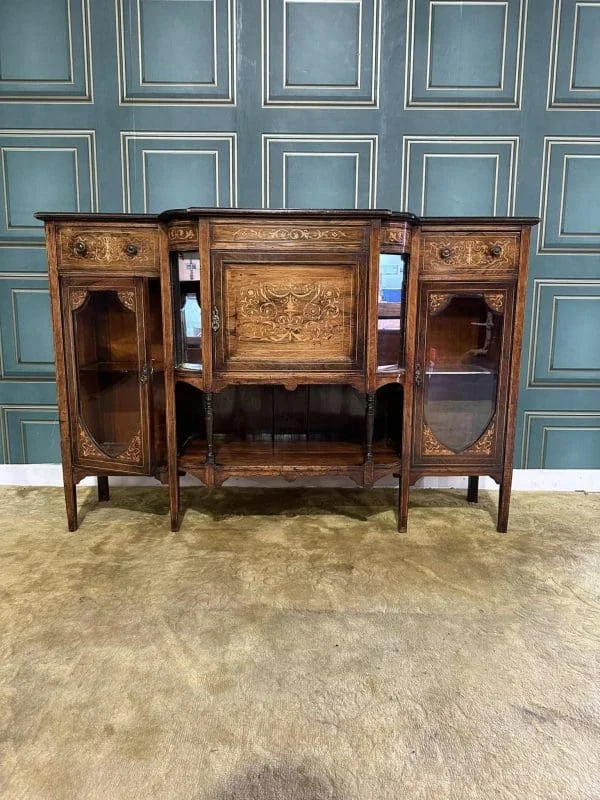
(536,480)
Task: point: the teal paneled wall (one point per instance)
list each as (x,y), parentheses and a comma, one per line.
(434,106)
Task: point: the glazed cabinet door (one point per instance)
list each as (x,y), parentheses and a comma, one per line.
(109,370)
(461,373)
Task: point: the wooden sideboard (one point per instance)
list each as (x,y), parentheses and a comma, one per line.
(242,342)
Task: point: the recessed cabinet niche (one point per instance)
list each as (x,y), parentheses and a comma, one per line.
(247,343)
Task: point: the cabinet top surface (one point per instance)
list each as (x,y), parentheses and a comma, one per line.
(383,214)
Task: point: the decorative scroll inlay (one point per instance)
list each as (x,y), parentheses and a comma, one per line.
(87,447)
(397,234)
(438,302)
(344,234)
(134,450)
(106,247)
(286,312)
(485,444)
(127,299)
(495,300)
(78,297)
(470,251)
(183,232)
(431,446)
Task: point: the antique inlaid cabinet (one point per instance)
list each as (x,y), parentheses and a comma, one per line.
(294,343)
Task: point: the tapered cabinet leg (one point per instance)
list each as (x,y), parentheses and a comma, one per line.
(103,490)
(71,503)
(403,493)
(174,500)
(504,504)
(473,489)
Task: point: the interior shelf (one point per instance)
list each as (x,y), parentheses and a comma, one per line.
(305,456)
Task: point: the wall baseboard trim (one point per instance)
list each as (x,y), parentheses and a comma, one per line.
(536,480)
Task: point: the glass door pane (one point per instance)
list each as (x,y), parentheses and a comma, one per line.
(105,329)
(462,361)
(187,293)
(390,318)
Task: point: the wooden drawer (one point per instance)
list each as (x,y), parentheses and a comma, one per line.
(484,253)
(107,248)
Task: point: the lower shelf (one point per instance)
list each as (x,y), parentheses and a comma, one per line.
(289,457)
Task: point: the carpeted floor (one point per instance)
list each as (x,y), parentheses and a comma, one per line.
(289,645)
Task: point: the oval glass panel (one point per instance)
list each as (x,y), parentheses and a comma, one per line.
(462,361)
(106,351)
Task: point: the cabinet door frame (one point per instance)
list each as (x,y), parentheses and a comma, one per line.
(357,261)
(86,452)
(488,449)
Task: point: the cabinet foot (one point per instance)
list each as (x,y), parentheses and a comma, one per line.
(174,496)
(103,490)
(403,492)
(504,505)
(473,489)
(71,503)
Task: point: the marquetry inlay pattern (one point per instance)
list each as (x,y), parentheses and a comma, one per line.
(396,235)
(431,446)
(133,453)
(288,233)
(484,446)
(489,253)
(279,313)
(127,299)
(438,301)
(78,297)
(495,301)
(83,248)
(183,233)
(87,447)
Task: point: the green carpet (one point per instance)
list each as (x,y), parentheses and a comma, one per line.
(290,645)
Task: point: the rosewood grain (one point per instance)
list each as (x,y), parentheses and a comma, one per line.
(286,335)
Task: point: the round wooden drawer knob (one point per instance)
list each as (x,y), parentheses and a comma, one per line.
(131,249)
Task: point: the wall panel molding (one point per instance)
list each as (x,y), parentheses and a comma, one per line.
(304,65)
(569,196)
(177,169)
(574,78)
(306,170)
(176,52)
(561,440)
(461,175)
(42,170)
(564,339)
(46,57)
(466,54)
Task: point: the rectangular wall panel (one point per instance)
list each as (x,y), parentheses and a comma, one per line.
(321,53)
(177,51)
(177,170)
(575,58)
(319,172)
(459,175)
(31,434)
(42,171)
(562,441)
(25,327)
(565,334)
(45,51)
(465,54)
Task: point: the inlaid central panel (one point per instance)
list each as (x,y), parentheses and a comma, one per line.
(275,311)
